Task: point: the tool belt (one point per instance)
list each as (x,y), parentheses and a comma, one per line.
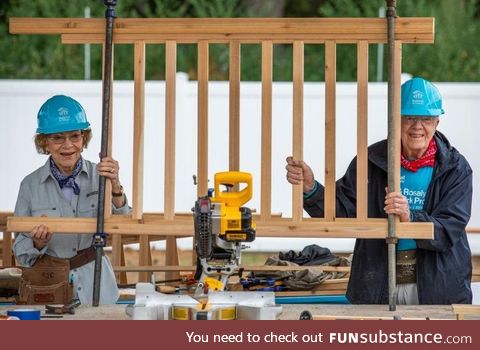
(406,266)
(83,257)
(48,280)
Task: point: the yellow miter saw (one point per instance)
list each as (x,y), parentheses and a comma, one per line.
(221,226)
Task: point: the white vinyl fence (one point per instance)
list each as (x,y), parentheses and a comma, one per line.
(21,99)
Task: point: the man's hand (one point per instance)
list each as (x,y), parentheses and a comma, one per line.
(297,172)
(397,204)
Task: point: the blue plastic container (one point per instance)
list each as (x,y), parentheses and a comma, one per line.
(25,314)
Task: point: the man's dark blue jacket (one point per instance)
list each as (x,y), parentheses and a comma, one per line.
(444,267)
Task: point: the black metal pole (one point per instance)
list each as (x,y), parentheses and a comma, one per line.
(391,166)
(100,238)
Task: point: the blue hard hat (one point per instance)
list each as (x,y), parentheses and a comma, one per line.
(421,98)
(59,114)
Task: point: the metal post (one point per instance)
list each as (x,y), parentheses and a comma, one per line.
(86,55)
(391,240)
(100,238)
(381,14)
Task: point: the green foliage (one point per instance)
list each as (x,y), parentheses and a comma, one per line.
(349,8)
(215,8)
(453,57)
(455,54)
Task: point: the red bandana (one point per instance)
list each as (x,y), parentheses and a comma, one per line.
(428,159)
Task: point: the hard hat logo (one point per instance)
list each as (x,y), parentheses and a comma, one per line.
(421,98)
(417,97)
(61,113)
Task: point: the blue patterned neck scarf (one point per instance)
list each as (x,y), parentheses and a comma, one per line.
(66,181)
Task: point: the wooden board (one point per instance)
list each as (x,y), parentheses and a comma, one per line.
(156,30)
(182,226)
(461,310)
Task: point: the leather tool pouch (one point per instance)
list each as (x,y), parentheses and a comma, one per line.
(47,282)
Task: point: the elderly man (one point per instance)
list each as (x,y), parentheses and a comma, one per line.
(436,186)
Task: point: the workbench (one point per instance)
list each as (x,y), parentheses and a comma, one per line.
(290,311)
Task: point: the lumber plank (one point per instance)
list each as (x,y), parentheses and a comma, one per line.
(366,318)
(242,38)
(183,226)
(297,127)
(144,258)
(362,130)
(330,129)
(460,310)
(253,268)
(234,108)
(3,218)
(138,129)
(7,255)
(108,184)
(138,156)
(171,255)
(170,127)
(202,128)
(397,71)
(266,151)
(5,243)
(117,251)
(409,30)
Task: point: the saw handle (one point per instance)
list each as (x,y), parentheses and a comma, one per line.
(232,178)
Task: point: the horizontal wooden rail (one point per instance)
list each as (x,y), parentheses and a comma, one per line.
(3,217)
(147,268)
(253,268)
(183,226)
(461,310)
(155,30)
(368,318)
(150,217)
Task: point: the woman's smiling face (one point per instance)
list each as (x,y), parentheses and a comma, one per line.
(66,149)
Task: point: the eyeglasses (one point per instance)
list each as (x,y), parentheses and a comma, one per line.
(425,121)
(59,139)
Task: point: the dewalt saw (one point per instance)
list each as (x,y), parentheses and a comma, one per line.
(221,226)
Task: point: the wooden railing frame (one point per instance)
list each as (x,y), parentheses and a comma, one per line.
(330,32)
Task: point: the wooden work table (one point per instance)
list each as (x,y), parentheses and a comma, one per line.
(290,311)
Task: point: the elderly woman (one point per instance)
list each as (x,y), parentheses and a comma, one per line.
(436,187)
(67,186)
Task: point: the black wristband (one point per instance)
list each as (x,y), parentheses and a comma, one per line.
(118,194)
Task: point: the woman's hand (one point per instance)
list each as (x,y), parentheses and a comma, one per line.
(40,236)
(110,168)
(397,204)
(297,172)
